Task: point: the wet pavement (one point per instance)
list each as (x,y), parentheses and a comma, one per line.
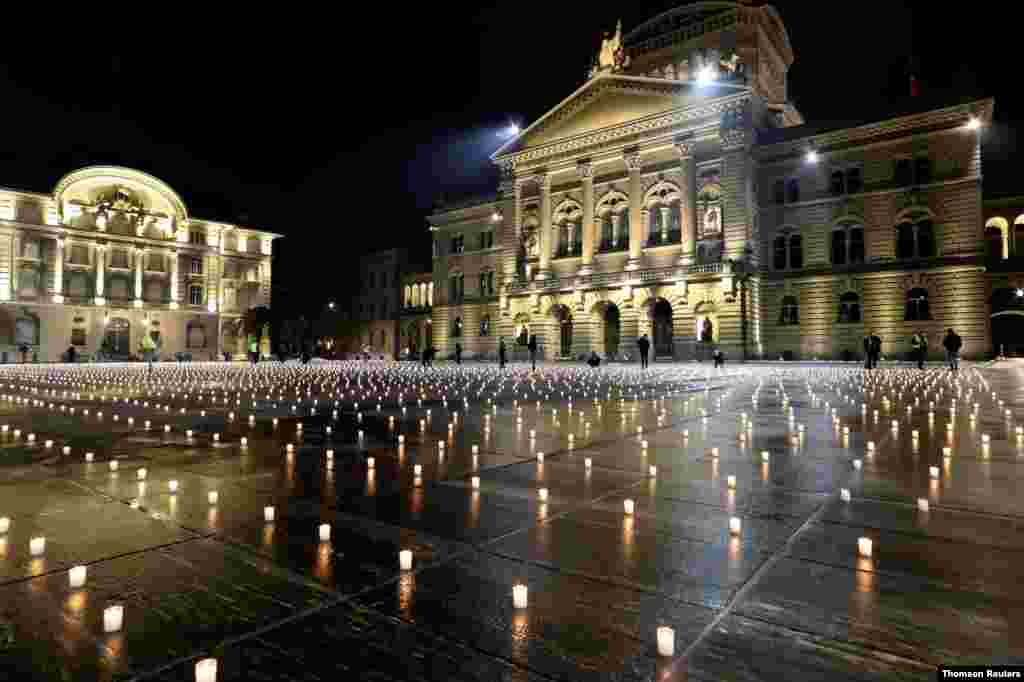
(494,480)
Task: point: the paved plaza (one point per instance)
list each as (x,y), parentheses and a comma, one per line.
(752,490)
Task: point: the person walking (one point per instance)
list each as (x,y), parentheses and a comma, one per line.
(645,347)
(876,350)
(254,349)
(867,351)
(501,353)
(458,353)
(952,344)
(918,348)
(594,360)
(719,358)
(148,349)
(532,345)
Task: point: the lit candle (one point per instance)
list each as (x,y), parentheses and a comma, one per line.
(519,596)
(922,504)
(206,670)
(731,482)
(76,576)
(405,560)
(543,494)
(268,514)
(325,532)
(475,483)
(113,465)
(587,462)
(844,494)
(113,618)
(417,469)
(141,473)
(627,506)
(212,497)
(540,456)
(735,525)
(36,546)
(172,486)
(864,547)
(933,472)
(652,470)
(89,456)
(666,641)
(370,462)
(5,524)
(765,456)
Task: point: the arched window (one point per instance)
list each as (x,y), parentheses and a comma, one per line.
(779,191)
(796,252)
(485,325)
(904,241)
(457,327)
(923,170)
(993,242)
(849,308)
(856,244)
(654,225)
(606,233)
(854,183)
(925,239)
(903,175)
(675,228)
(837,183)
(790,313)
(1018,237)
(779,260)
(917,305)
(624,227)
(839,247)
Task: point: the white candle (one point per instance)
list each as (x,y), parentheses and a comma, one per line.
(172,486)
(627,506)
(540,456)
(587,462)
(113,618)
(844,494)
(519,594)
(370,462)
(268,514)
(405,560)
(36,546)
(417,469)
(188,434)
(76,576)
(476,449)
(666,641)
(922,504)
(765,456)
(856,464)
(245,443)
(933,472)
(325,532)
(212,497)
(864,547)
(643,444)
(5,524)
(206,670)
(947,451)
(985,438)
(871,446)
(141,473)
(475,483)
(734,525)
(543,494)
(113,465)
(652,470)
(731,481)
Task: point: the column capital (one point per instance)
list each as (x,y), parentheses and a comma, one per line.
(684,145)
(100,247)
(634,160)
(585,170)
(543,180)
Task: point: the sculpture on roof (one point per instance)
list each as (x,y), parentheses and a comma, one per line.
(612,56)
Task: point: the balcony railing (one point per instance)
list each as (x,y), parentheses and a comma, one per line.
(569,250)
(608,246)
(665,239)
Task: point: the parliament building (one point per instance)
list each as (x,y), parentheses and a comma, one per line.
(113,253)
(679,193)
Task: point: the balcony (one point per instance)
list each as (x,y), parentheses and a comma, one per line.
(664,239)
(608,246)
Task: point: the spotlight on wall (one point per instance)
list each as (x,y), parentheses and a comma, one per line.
(812,156)
(973,123)
(705,75)
(495,217)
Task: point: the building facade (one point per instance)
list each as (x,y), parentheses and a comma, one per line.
(113,253)
(416,325)
(679,193)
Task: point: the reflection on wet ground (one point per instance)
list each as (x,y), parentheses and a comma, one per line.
(257,517)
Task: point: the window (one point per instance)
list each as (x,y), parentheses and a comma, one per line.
(993,242)
(195,295)
(490,283)
(779,261)
(779,191)
(78,337)
(845,181)
(854,181)
(119,258)
(903,174)
(922,170)
(915,238)
(837,183)
(792,191)
(457,288)
(486,239)
(457,327)
(790,311)
(373,310)
(796,252)
(654,225)
(30,248)
(483,283)
(917,305)
(839,247)
(371,280)
(195,266)
(849,308)
(925,240)
(198,238)
(458,243)
(606,233)
(485,325)
(904,240)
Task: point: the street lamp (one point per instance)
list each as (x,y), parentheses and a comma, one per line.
(973,123)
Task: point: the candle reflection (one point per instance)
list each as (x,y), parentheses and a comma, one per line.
(211,517)
(734,550)
(474,509)
(417,502)
(322,567)
(268,535)
(520,635)
(406,592)
(371,482)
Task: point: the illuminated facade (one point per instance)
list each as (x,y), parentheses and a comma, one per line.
(679,193)
(113,252)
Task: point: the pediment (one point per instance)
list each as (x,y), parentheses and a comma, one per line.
(606,102)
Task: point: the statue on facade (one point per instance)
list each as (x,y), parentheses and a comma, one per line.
(612,55)
(711,221)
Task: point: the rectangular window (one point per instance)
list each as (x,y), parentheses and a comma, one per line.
(78,337)
(490,283)
(195,295)
(119,258)
(854,180)
(196,266)
(371,280)
(198,238)
(79,254)
(383,280)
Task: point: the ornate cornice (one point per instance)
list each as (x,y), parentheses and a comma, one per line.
(684,146)
(734,139)
(621,133)
(634,160)
(585,170)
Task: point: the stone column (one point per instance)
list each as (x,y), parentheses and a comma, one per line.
(634,163)
(688,199)
(173,255)
(140,257)
(101,266)
(58,272)
(544,267)
(15,254)
(587,232)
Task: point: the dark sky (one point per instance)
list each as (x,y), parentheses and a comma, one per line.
(340,130)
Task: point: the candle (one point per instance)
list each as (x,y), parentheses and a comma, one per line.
(922,504)
(206,670)
(113,465)
(268,514)
(731,482)
(141,473)
(765,456)
(627,506)
(172,486)
(76,576)
(735,525)
(519,596)
(864,547)
(475,483)
(212,496)
(5,524)
(370,462)
(36,546)
(543,494)
(476,449)
(844,494)
(933,472)
(325,532)
(666,641)
(540,456)
(405,560)
(856,464)
(188,434)
(652,470)
(113,618)
(587,462)
(417,469)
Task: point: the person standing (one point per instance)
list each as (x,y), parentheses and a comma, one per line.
(918,348)
(952,344)
(645,347)
(501,353)
(876,350)
(867,351)
(532,345)
(719,358)
(594,360)
(458,353)
(148,349)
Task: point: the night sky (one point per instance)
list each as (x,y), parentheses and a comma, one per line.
(339,131)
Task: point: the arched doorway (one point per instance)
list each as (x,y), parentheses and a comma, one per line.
(661,326)
(611,332)
(1008,321)
(705,317)
(522,329)
(563,320)
(117,339)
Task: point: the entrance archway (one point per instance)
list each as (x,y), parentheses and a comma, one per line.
(563,323)
(608,323)
(661,326)
(705,316)
(117,339)
(521,329)
(1007,322)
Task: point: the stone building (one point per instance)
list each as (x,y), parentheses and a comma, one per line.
(113,252)
(416,325)
(679,193)
(377,306)
(1004,254)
